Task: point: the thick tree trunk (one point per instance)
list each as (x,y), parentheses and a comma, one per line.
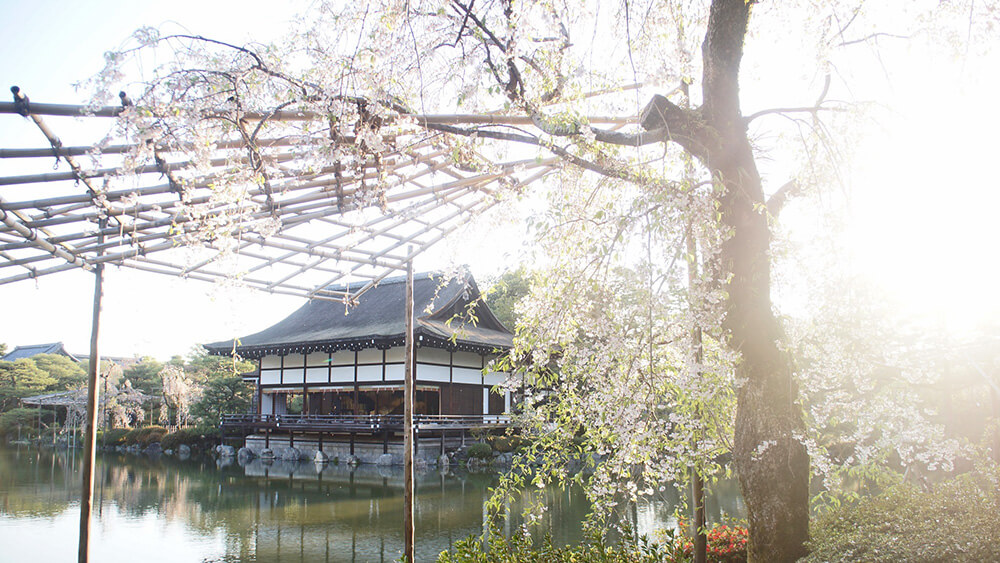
(771,461)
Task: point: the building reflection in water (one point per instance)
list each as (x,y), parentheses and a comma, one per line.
(281,511)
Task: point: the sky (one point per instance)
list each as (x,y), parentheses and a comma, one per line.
(55,43)
(921,219)
(48,46)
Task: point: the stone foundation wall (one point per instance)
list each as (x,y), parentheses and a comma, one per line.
(428,449)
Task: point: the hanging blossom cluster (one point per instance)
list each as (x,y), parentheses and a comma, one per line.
(123,406)
(214,118)
(179,393)
(617,385)
(871,394)
(208,114)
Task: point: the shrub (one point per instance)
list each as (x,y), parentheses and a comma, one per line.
(203,438)
(504,444)
(144,436)
(113,436)
(174,439)
(131,437)
(521,549)
(726,544)
(954,521)
(480,450)
(150,438)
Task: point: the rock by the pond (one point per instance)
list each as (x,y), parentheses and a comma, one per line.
(321,457)
(384,459)
(244,455)
(504,460)
(184,451)
(267,453)
(154,449)
(353,460)
(227,451)
(168,451)
(444,462)
(290,454)
(475,464)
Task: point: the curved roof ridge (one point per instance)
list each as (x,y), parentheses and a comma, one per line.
(377,320)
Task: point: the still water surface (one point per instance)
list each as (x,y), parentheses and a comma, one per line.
(177,511)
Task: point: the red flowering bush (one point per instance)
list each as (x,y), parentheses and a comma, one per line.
(726,544)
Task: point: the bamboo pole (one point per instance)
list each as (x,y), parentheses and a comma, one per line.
(408,397)
(40,241)
(370,233)
(49,152)
(72,110)
(466,209)
(90,444)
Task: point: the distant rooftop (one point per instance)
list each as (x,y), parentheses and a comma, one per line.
(30,350)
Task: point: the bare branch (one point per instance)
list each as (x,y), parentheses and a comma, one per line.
(868,38)
(813,109)
(779,198)
(805,109)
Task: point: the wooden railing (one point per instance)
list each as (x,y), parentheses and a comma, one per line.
(360,423)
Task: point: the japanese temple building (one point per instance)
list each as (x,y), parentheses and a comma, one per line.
(331,375)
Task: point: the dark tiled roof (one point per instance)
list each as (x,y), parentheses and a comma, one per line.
(377,321)
(21,352)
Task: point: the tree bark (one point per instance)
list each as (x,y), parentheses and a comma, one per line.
(771,461)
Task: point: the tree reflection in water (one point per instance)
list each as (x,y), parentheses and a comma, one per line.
(267,512)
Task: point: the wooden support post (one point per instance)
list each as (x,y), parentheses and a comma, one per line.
(352,443)
(995,399)
(267,438)
(408,441)
(697,481)
(89,445)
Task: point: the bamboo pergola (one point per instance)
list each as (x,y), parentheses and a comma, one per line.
(283,201)
(301,232)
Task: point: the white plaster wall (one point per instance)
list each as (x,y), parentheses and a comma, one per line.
(370,356)
(342,374)
(396,372)
(468,359)
(433,355)
(318,359)
(370,373)
(397,354)
(343,358)
(468,375)
(295,360)
(293,376)
(317,375)
(432,373)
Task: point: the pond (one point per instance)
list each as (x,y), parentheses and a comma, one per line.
(175,511)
